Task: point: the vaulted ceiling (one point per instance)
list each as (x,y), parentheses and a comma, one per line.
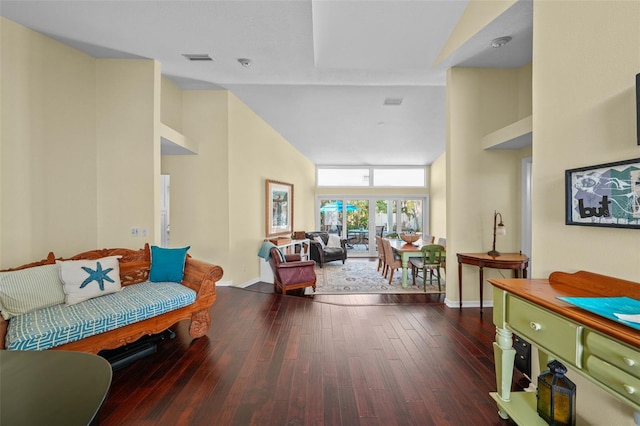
(320,70)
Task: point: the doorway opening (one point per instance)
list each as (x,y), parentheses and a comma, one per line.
(164,210)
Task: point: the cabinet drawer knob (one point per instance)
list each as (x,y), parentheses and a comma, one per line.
(630,362)
(535,326)
(630,389)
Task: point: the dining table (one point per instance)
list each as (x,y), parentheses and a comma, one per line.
(406,251)
(359,236)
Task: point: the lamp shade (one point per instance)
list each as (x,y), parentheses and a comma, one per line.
(498,229)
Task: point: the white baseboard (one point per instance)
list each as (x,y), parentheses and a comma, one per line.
(468,303)
(228,283)
(248,283)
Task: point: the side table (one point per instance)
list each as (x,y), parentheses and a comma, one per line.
(515,261)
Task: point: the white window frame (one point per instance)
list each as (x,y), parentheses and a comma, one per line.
(371,180)
(372,199)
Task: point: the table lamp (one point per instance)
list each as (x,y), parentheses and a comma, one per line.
(498,229)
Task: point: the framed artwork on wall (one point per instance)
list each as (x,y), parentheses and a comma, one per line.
(604,195)
(638,107)
(279,208)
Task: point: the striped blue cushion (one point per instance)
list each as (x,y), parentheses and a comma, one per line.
(29,289)
(60,324)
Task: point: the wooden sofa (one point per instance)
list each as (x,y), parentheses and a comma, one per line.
(134,268)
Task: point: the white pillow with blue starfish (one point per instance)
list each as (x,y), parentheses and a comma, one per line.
(86,279)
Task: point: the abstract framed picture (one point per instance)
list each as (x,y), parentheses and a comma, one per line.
(604,195)
(279,208)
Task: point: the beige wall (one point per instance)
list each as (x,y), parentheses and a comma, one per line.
(171,105)
(586,55)
(78,132)
(128,151)
(583,115)
(525,91)
(438,198)
(48,169)
(218,196)
(256,153)
(200,183)
(81,160)
(478,181)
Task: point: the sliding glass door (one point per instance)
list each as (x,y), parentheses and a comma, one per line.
(357,234)
(331,216)
(360,219)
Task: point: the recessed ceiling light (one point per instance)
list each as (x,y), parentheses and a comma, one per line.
(393,101)
(500,41)
(245,62)
(197,56)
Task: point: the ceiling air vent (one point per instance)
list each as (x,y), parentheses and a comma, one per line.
(197,56)
(393,101)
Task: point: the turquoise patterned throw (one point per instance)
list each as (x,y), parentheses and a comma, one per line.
(607,307)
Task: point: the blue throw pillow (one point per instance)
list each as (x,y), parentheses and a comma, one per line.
(167,264)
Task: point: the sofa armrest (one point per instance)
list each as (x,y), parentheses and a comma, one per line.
(316,252)
(201,277)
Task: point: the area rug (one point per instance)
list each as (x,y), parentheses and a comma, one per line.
(362,277)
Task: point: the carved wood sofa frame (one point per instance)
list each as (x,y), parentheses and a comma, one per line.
(134,268)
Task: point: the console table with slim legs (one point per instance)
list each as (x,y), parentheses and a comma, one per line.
(514,261)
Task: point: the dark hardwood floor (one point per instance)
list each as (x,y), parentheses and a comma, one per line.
(270,359)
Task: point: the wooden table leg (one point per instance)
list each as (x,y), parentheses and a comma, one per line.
(460,283)
(481,286)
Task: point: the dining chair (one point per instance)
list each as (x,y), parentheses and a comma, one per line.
(431,260)
(381,264)
(427,239)
(392,260)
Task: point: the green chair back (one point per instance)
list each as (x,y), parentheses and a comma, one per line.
(433,254)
